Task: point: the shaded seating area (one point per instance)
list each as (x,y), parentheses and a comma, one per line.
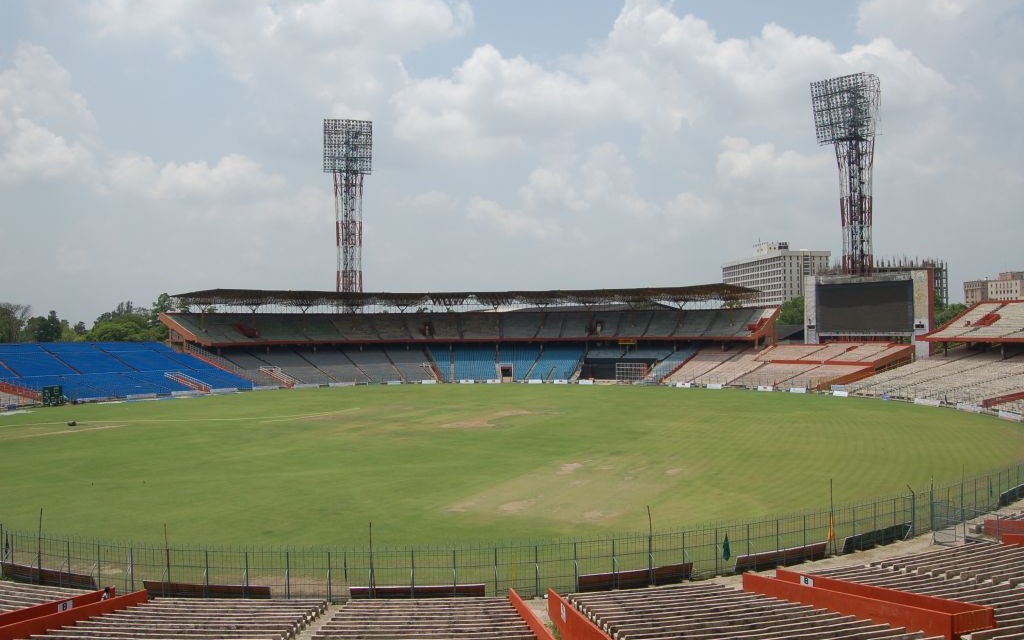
(173,618)
(476,618)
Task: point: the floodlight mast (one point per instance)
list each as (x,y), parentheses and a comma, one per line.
(845,113)
(348,150)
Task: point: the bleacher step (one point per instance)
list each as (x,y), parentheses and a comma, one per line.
(310,630)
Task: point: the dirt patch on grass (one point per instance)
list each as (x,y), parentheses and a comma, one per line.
(488,420)
(673,472)
(568,468)
(517,506)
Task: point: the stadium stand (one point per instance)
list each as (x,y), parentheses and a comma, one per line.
(557,362)
(333,363)
(704,610)
(984,322)
(522,325)
(961,375)
(14,595)
(978,573)
(670,363)
(374,363)
(522,357)
(663,323)
(480,326)
(226,329)
(426,618)
(551,326)
(411,362)
(110,369)
(474,361)
(173,618)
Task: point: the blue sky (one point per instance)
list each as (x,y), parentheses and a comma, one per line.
(176,145)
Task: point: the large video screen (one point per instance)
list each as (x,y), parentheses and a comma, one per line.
(876,307)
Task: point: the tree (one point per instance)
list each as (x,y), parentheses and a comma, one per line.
(128,323)
(162,304)
(47,329)
(792,311)
(133,328)
(946,312)
(12,320)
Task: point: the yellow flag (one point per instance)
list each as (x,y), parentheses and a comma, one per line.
(831,529)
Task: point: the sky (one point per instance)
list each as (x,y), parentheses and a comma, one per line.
(176,145)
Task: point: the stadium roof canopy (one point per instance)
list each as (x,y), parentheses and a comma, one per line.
(257,298)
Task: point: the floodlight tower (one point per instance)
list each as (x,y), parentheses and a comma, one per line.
(348,149)
(845,111)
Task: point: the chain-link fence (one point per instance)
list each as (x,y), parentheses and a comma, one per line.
(530,567)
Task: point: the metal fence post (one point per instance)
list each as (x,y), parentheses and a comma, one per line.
(287,575)
(495,570)
(245,577)
(455,575)
(575,568)
(329,594)
(99,571)
(536,572)
(412,572)
(67,543)
(131,564)
(716,551)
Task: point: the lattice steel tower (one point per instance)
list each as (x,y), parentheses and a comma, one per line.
(845,112)
(348,150)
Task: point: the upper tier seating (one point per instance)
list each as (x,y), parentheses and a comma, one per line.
(521,325)
(224,329)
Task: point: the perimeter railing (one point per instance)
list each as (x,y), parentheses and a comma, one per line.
(531,567)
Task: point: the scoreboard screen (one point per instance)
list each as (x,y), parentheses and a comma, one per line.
(869,307)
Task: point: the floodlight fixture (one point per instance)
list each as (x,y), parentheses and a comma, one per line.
(348,156)
(845,116)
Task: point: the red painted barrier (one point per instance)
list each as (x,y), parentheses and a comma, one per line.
(42,624)
(571,624)
(1013,538)
(530,617)
(933,616)
(46,608)
(996,527)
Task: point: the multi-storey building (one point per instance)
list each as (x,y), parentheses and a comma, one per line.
(776,271)
(1008,286)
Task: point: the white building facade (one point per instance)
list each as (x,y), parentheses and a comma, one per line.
(1008,286)
(776,271)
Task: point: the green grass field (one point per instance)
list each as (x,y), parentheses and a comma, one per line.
(451,463)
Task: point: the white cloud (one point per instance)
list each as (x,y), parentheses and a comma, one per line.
(29,151)
(509,222)
(233,175)
(46,128)
(430,201)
